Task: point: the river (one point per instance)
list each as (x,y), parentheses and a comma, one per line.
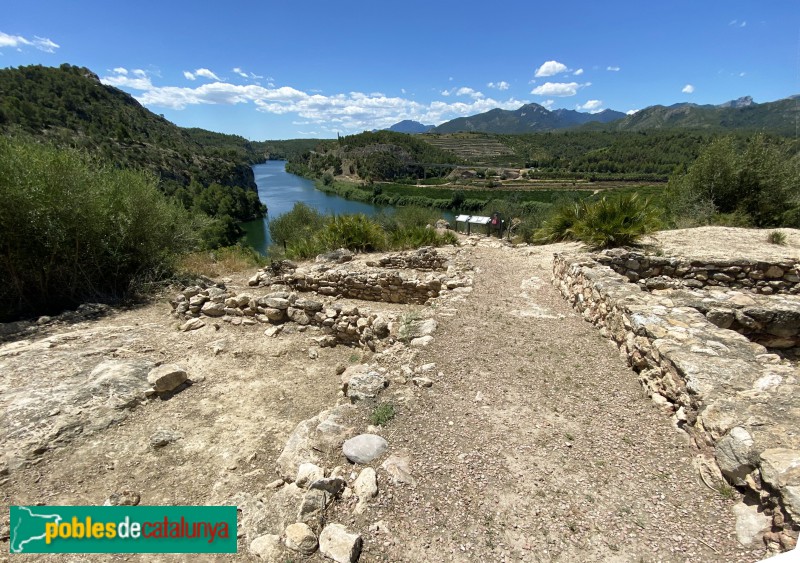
(279,191)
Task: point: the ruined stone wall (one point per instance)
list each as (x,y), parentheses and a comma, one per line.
(390,287)
(658,272)
(338,323)
(736,400)
(425,259)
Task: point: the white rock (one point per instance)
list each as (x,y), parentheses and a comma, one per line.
(307,473)
(399,468)
(267,547)
(192,324)
(364,448)
(299,537)
(750,523)
(422,382)
(166,377)
(336,543)
(366,486)
(421,341)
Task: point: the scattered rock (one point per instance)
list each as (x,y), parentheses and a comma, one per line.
(125,498)
(273,331)
(365,385)
(166,377)
(735,456)
(308,473)
(161,438)
(422,382)
(192,324)
(364,448)
(313,353)
(299,537)
(267,547)
(366,487)
(332,485)
(336,543)
(421,341)
(750,523)
(399,469)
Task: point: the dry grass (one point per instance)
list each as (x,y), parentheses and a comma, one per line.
(221,261)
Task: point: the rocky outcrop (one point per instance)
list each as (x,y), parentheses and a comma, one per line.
(735,399)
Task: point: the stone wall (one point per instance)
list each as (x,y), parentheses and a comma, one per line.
(338,323)
(390,287)
(425,259)
(659,272)
(737,401)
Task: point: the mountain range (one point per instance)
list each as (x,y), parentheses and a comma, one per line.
(780,116)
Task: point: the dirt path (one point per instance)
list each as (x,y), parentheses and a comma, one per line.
(535,443)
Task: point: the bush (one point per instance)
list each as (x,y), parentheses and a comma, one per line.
(777,237)
(221,261)
(301,223)
(608,222)
(73,229)
(616,221)
(354,232)
(382,414)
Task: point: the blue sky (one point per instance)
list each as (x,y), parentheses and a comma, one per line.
(272,70)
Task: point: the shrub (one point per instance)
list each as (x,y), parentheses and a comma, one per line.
(354,232)
(73,229)
(616,221)
(561,224)
(610,221)
(382,414)
(301,223)
(777,237)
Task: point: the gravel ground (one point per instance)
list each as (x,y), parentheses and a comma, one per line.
(535,443)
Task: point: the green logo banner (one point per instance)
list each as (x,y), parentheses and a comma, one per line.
(123,529)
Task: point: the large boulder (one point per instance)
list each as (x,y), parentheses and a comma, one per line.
(364,448)
(166,377)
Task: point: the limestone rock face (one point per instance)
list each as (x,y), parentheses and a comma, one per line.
(336,543)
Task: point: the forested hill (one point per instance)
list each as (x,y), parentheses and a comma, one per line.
(68,106)
(779,117)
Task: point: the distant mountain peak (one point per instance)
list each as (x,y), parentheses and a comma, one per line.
(742,102)
(410,126)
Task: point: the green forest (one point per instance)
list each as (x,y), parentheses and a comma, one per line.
(67,106)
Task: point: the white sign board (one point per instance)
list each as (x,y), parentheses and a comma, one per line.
(462,218)
(477,220)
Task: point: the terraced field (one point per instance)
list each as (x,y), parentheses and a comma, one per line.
(477,148)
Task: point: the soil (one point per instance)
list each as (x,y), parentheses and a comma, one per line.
(534,443)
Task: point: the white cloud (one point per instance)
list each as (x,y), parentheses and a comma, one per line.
(502,85)
(578,72)
(240,72)
(188,75)
(688,89)
(743,24)
(445,92)
(547,104)
(347,112)
(402,90)
(121,70)
(559,89)
(631,111)
(737,23)
(742,74)
(464,91)
(592,106)
(613,68)
(550,68)
(139,72)
(205,73)
(18,42)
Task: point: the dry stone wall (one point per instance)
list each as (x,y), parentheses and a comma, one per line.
(735,399)
(660,272)
(339,323)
